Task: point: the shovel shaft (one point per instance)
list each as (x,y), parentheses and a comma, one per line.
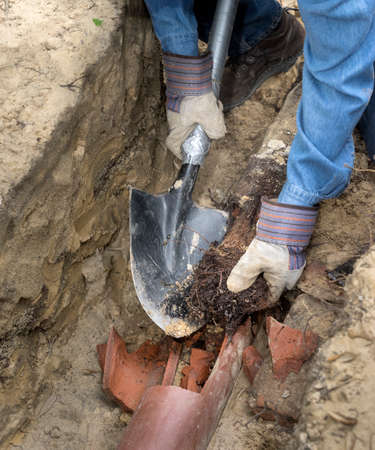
(182,190)
(185,181)
(196,146)
(218,44)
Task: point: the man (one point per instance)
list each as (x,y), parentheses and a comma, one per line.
(338,82)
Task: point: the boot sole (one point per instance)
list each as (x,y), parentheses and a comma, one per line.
(274,70)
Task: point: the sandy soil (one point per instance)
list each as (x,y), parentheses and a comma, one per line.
(339,404)
(45,47)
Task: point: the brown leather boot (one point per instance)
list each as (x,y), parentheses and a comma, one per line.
(276,53)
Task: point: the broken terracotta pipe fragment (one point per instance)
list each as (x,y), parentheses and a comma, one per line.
(126,376)
(172,418)
(166,419)
(171,367)
(289,347)
(194,338)
(252,360)
(196,374)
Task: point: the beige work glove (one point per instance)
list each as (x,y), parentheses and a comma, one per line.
(270,259)
(204,110)
(278,250)
(190,99)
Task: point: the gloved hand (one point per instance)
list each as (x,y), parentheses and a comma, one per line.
(277,251)
(190,100)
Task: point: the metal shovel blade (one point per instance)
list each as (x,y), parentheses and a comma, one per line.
(169,236)
(168,232)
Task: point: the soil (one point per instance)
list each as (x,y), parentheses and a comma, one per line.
(338,410)
(209,295)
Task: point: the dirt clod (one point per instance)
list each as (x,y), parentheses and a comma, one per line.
(209,294)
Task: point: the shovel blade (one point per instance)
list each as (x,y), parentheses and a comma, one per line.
(164,251)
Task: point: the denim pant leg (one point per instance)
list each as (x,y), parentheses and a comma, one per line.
(175,25)
(254,21)
(367,126)
(338,81)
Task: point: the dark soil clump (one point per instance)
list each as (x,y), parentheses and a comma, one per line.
(209,295)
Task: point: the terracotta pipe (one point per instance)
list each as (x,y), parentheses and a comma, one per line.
(172,418)
(171,367)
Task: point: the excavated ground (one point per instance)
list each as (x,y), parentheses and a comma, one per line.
(77,241)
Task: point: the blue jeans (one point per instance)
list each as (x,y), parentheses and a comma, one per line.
(338,82)
(179,23)
(367,126)
(338,79)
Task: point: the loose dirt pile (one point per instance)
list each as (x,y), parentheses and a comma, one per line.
(209,294)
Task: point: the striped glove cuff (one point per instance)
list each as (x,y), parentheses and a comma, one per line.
(186,75)
(288,225)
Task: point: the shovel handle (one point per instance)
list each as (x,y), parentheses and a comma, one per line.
(219,39)
(197,144)
(195,147)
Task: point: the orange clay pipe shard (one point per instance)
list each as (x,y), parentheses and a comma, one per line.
(172,418)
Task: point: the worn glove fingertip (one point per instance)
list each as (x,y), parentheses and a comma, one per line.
(215,134)
(293,278)
(237,283)
(176,138)
(215,129)
(275,292)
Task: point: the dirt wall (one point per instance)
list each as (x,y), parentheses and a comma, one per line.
(69,153)
(338,410)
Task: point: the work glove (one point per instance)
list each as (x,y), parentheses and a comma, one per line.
(190,99)
(278,249)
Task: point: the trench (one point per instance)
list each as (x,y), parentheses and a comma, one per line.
(66,278)
(65,270)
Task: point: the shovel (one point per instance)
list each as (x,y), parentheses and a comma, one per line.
(169,233)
